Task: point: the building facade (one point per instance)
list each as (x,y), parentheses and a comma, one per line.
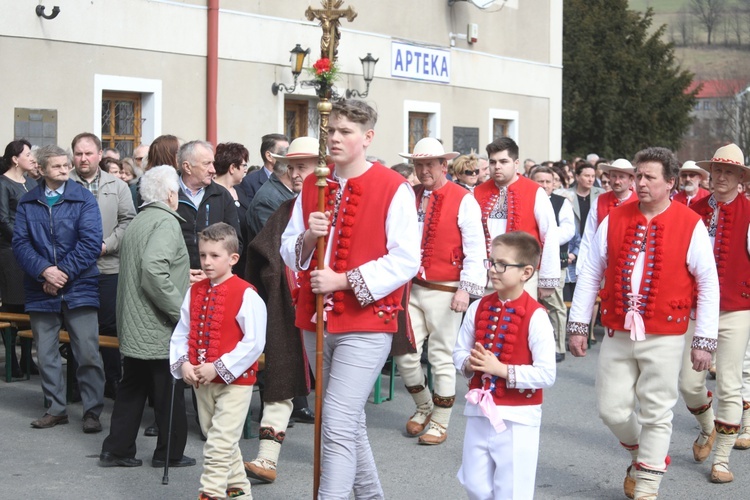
(134,69)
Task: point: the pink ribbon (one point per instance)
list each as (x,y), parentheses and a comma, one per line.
(327,306)
(483,398)
(634,320)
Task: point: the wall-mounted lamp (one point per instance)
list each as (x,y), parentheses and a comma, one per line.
(40,12)
(368,71)
(297,59)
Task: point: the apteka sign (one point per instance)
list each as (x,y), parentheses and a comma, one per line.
(420,63)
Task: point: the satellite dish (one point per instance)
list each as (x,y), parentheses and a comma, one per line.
(489,5)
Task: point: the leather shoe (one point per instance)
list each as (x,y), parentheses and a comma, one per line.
(261,469)
(701,452)
(560,356)
(106,459)
(91,423)
(414,428)
(304,415)
(185,461)
(151,431)
(48,421)
(628,485)
(720,473)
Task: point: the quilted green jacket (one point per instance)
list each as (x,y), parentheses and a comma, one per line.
(154,278)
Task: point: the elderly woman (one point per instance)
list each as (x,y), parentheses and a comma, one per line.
(466,171)
(154,276)
(15,165)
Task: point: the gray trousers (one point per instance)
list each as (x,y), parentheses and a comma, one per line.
(83,326)
(351,363)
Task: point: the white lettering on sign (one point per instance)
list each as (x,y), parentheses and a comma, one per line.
(420,63)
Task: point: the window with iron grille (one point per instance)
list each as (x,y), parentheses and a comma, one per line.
(121,121)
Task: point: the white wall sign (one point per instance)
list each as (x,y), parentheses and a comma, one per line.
(420,63)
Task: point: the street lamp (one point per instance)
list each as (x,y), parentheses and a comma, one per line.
(296,60)
(368,72)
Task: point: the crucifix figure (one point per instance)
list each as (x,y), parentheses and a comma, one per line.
(329,17)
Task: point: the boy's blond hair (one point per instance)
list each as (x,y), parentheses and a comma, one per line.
(224,233)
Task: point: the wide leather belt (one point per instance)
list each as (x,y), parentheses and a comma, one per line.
(434,286)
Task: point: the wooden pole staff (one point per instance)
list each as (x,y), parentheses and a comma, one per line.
(329,17)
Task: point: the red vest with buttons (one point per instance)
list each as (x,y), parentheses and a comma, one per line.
(607,201)
(442,244)
(504,330)
(214,330)
(681,197)
(359,237)
(521,202)
(667,285)
(730,250)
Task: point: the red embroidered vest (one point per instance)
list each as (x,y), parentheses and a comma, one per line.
(521,201)
(730,250)
(442,244)
(214,330)
(504,330)
(358,237)
(607,201)
(667,285)
(681,197)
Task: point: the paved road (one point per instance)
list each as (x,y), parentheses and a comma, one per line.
(579,458)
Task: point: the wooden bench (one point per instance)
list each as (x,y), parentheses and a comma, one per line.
(9,323)
(27,336)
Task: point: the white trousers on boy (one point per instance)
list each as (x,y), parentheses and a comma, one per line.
(499,465)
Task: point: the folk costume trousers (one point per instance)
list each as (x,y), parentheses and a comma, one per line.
(351,364)
(81,323)
(433,321)
(222,410)
(558,313)
(734,332)
(647,370)
(499,465)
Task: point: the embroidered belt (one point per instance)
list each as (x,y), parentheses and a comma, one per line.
(434,286)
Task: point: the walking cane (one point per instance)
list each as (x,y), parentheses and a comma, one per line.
(165,479)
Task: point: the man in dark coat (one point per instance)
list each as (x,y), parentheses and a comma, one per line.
(270,144)
(202,201)
(286,371)
(57,239)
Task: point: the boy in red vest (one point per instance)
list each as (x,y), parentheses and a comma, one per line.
(215,348)
(372,250)
(506,347)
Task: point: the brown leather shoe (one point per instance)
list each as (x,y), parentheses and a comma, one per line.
(701,452)
(437,434)
(91,424)
(261,469)
(743,441)
(48,421)
(414,428)
(720,473)
(628,486)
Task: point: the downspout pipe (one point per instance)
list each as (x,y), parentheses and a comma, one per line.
(212,71)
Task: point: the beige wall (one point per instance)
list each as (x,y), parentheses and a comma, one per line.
(516,65)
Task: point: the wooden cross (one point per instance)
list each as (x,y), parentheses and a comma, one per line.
(329,17)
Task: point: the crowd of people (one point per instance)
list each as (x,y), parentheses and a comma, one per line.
(482,265)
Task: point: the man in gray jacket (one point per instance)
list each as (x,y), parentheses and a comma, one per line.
(116,207)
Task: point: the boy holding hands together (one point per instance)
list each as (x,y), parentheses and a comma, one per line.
(215,348)
(506,347)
